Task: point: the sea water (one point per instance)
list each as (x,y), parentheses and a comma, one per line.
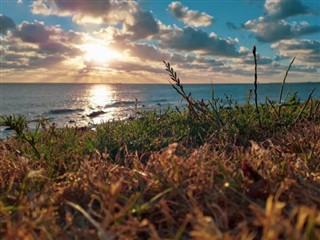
(83,104)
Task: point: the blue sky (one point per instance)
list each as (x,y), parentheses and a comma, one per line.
(126,41)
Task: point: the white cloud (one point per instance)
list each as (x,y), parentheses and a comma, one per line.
(190,17)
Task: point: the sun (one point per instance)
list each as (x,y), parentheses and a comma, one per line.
(98,54)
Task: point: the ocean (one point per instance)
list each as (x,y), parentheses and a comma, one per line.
(90,104)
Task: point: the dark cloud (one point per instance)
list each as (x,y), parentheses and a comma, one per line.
(191,39)
(194,66)
(32,32)
(34,45)
(303,68)
(209,61)
(307,51)
(30,60)
(2,50)
(232,26)
(72,37)
(313,59)
(146,52)
(52,47)
(92,7)
(151,53)
(81,11)
(16,46)
(15,60)
(282,9)
(190,17)
(175,57)
(134,67)
(124,67)
(279,58)
(6,24)
(141,26)
(277,30)
(12,65)
(137,23)
(47,61)
(12,56)
(260,60)
(313,46)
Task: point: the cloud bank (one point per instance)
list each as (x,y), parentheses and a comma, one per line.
(273,25)
(192,39)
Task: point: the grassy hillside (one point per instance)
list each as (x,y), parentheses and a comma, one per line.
(210,171)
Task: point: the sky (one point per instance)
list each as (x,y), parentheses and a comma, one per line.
(114,41)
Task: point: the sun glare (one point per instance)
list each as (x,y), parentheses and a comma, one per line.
(100,95)
(98,54)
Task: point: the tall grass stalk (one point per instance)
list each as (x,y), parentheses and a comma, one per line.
(256,84)
(284,81)
(305,105)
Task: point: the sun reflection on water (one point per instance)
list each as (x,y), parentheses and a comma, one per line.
(101,95)
(101,98)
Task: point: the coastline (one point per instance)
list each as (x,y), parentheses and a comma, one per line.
(168,175)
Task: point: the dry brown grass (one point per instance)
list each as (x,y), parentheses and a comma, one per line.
(180,193)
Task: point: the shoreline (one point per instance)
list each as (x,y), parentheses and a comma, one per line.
(195,173)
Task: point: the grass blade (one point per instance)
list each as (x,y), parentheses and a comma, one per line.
(284,81)
(304,106)
(101,232)
(256,84)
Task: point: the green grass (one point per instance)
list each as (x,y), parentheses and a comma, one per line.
(207,172)
(167,176)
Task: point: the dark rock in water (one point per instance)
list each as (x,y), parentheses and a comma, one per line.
(8,129)
(72,121)
(96,114)
(83,129)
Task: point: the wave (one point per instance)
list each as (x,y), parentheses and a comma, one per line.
(159,100)
(120,103)
(132,103)
(96,114)
(65,111)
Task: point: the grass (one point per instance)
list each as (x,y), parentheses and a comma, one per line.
(205,172)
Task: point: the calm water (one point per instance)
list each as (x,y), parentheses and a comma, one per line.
(72,104)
